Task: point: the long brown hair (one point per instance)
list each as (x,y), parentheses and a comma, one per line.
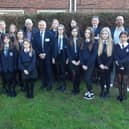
(79,40)
(91,38)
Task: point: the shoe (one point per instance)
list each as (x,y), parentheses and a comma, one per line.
(127,89)
(88,97)
(86,93)
(111,84)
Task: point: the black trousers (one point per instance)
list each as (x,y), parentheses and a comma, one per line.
(76,78)
(105,79)
(9,84)
(88,77)
(29,86)
(45,73)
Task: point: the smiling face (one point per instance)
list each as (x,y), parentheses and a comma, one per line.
(74,32)
(87,34)
(42,25)
(123,38)
(26,44)
(105,35)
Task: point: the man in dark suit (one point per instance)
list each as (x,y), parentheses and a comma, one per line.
(42,43)
(29,30)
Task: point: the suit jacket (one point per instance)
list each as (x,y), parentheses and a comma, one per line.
(37,44)
(65,51)
(8,63)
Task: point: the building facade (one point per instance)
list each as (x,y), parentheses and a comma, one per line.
(38,6)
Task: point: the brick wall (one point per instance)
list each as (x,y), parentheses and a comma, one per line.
(82,5)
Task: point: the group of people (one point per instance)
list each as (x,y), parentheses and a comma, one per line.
(54,55)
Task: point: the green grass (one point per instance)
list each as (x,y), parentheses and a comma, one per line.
(55,110)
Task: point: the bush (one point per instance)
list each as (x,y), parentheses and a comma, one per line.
(106,19)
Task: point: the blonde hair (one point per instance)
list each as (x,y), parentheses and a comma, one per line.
(109,42)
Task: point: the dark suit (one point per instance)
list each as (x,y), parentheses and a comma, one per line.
(32,33)
(44,64)
(60,57)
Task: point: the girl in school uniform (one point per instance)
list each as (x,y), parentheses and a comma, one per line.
(88,57)
(60,57)
(105,60)
(19,44)
(74,59)
(8,66)
(27,61)
(121,56)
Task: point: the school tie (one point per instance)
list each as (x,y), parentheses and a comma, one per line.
(59,45)
(104,46)
(122,46)
(5,51)
(42,40)
(75,45)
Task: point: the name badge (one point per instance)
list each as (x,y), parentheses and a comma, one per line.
(47,40)
(11,54)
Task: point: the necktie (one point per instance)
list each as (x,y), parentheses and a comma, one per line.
(42,40)
(75,46)
(104,46)
(59,45)
(122,46)
(5,51)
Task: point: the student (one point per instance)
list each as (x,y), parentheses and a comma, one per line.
(74,59)
(54,27)
(60,57)
(105,60)
(121,56)
(27,61)
(88,57)
(43,46)
(116,30)
(19,45)
(8,66)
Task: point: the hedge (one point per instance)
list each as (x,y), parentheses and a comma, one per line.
(106,19)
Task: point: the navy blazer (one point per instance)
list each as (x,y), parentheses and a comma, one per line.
(27,62)
(72,54)
(33,31)
(8,63)
(88,57)
(106,60)
(121,55)
(65,48)
(37,44)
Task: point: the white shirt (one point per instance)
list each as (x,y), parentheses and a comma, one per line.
(117,32)
(123,44)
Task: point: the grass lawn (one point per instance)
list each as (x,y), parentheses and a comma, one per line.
(55,110)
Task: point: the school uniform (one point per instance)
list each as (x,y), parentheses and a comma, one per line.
(27,62)
(42,43)
(60,54)
(96,30)
(74,55)
(121,57)
(8,67)
(88,58)
(105,74)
